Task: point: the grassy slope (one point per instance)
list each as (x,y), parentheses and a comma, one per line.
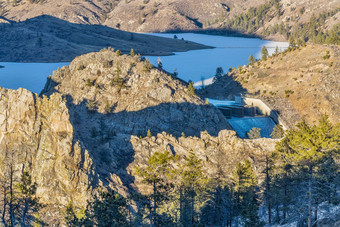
(299,84)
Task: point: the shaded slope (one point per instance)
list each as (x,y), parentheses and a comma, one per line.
(49,39)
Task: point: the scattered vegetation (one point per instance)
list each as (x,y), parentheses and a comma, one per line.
(298,176)
(108,64)
(191,89)
(91,105)
(327,55)
(147,66)
(148,134)
(264,53)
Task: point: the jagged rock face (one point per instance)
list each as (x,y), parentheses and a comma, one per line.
(71,147)
(143,100)
(219,154)
(37,131)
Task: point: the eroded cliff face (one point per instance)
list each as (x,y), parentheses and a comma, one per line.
(38,134)
(89,126)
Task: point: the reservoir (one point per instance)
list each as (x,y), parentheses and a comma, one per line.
(191,65)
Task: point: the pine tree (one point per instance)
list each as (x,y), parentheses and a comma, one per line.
(251,59)
(107,208)
(118,53)
(306,148)
(245,182)
(264,53)
(156,174)
(191,89)
(278,132)
(148,134)
(132,52)
(219,72)
(276,51)
(28,203)
(191,181)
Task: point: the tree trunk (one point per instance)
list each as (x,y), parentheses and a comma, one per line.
(154,204)
(4,205)
(285,197)
(192,209)
(268,192)
(310,197)
(11,198)
(316,211)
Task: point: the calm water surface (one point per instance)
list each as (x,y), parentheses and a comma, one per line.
(31,76)
(229,52)
(192,65)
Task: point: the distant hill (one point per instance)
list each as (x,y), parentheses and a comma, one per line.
(248,16)
(302,83)
(49,39)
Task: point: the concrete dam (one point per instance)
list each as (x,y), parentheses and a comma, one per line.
(243,114)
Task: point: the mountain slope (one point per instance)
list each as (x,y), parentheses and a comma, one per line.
(301,83)
(49,39)
(184,15)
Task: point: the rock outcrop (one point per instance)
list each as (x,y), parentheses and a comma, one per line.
(89,125)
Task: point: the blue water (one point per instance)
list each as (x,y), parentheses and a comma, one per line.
(192,65)
(229,52)
(243,125)
(31,76)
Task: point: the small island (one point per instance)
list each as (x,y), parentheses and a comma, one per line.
(1,66)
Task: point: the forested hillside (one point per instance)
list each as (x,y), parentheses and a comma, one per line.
(314,20)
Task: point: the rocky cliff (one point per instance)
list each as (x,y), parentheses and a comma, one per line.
(89,126)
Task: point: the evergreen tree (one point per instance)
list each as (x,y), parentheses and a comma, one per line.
(156,174)
(219,72)
(251,59)
(28,203)
(276,50)
(148,134)
(70,217)
(118,53)
(305,149)
(107,209)
(191,89)
(189,186)
(278,132)
(132,52)
(246,204)
(264,53)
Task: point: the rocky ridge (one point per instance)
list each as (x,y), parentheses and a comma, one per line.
(88,128)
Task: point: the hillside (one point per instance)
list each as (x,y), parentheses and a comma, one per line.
(301,83)
(275,19)
(91,129)
(49,39)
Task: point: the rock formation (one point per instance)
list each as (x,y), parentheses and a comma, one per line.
(88,128)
